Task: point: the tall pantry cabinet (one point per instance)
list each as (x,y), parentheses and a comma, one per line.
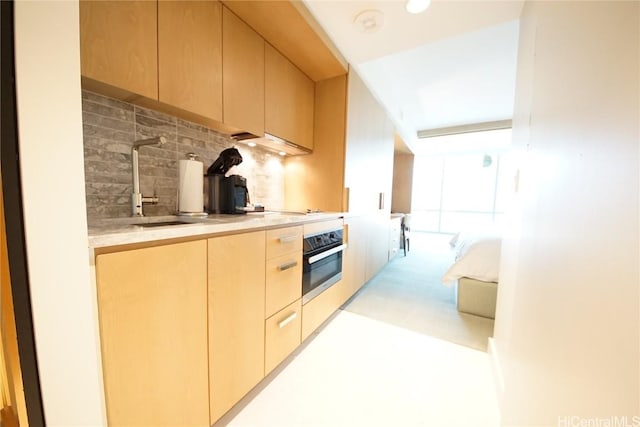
(368,171)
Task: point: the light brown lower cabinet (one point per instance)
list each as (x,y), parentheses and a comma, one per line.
(236,278)
(187,329)
(153,329)
(316,311)
(282,335)
(283,281)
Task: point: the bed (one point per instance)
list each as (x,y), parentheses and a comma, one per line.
(475,271)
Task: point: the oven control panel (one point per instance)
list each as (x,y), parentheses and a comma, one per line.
(322,240)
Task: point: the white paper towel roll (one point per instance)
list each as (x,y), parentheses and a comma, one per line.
(191,186)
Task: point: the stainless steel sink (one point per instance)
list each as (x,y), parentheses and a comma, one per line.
(158,221)
(163,223)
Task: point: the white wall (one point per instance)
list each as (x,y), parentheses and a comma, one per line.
(567,331)
(51,160)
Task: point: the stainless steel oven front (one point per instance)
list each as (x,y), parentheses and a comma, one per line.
(322,262)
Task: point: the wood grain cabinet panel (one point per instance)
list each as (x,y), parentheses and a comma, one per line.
(283,281)
(282,334)
(236,317)
(316,311)
(353,261)
(377,250)
(118,44)
(316,181)
(190,56)
(369,147)
(283,241)
(243,75)
(289,100)
(153,329)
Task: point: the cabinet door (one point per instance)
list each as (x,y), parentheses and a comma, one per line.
(353,269)
(236,317)
(153,331)
(118,44)
(369,151)
(316,180)
(289,99)
(377,254)
(243,75)
(190,56)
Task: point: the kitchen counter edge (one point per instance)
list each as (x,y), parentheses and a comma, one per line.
(107,234)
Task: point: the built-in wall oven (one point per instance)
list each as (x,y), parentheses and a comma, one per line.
(322,262)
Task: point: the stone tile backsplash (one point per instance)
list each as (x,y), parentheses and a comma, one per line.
(111,126)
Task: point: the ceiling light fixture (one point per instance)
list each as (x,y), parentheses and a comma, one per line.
(369,21)
(251,144)
(417,6)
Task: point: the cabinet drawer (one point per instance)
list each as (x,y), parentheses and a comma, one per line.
(284,281)
(321,307)
(282,335)
(283,241)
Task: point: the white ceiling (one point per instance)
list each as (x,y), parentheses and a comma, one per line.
(453,64)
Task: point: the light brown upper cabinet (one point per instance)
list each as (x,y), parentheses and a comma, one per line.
(289,99)
(118,44)
(190,56)
(242,75)
(316,181)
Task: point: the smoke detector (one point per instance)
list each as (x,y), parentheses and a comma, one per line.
(369,21)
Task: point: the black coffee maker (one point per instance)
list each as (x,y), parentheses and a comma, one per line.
(227,194)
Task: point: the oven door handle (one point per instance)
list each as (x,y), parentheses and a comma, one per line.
(325,254)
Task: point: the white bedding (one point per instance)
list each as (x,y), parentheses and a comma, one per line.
(477,257)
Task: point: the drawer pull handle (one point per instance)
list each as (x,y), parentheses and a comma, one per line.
(287,266)
(284,322)
(288,239)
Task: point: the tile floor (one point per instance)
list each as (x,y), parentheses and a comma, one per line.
(360,371)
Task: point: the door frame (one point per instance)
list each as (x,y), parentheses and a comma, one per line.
(13,218)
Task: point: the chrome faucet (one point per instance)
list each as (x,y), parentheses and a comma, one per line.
(137,199)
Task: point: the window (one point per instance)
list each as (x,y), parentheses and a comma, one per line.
(461,189)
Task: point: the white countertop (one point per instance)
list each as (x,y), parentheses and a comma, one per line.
(123,231)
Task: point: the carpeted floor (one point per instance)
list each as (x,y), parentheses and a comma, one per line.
(408,293)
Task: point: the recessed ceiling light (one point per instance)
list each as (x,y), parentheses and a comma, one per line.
(417,6)
(369,21)
(282,153)
(251,144)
